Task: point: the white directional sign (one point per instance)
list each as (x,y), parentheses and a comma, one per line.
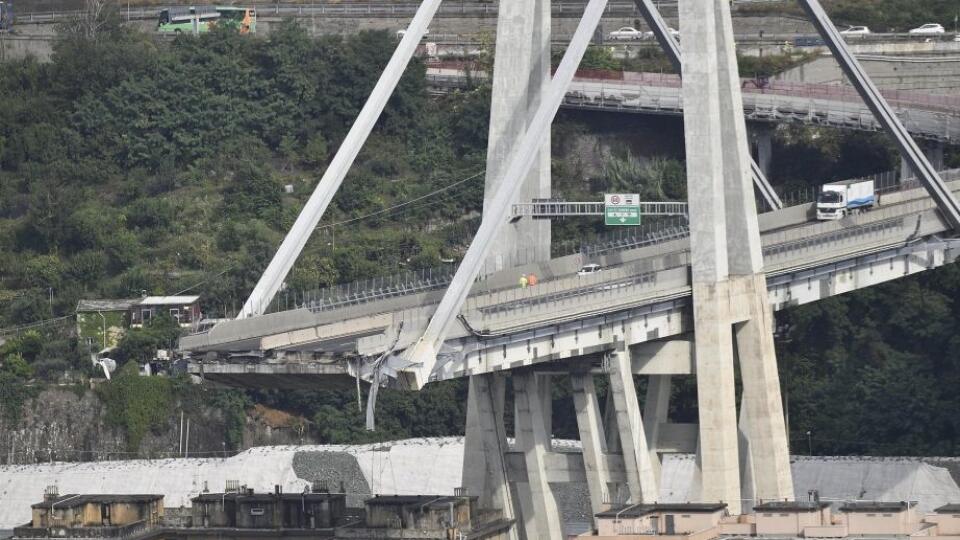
(621,209)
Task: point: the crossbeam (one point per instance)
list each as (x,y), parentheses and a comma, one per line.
(569,208)
(884,113)
(309,217)
(672,49)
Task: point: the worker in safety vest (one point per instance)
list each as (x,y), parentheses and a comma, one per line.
(523,281)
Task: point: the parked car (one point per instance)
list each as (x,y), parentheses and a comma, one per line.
(401,33)
(856,31)
(928,29)
(589,269)
(627,33)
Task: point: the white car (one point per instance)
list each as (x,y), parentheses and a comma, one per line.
(673,32)
(401,33)
(928,29)
(589,269)
(856,31)
(627,33)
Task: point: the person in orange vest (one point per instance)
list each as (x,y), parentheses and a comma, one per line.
(531,280)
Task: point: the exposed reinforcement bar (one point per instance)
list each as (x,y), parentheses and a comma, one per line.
(885,114)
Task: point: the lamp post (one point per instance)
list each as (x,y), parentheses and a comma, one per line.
(809,443)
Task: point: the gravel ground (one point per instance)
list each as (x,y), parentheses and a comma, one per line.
(334,468)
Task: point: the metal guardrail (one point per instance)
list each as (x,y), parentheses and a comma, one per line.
(566,209)
(407,283)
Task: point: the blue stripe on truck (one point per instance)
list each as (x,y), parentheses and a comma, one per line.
(865,201)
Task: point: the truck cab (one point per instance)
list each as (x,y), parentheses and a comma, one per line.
(832,203)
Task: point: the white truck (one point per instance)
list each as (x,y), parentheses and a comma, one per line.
(838,199)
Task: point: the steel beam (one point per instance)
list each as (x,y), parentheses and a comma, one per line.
(884,113)
(296,239)
(422,356)
(672,49)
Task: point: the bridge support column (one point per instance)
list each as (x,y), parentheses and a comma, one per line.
(655,408)
(761,402)
(933,150)
(521,75)
(589,423)
(641,477)
(485,442)
(728,284)
(761,138)
(541,518)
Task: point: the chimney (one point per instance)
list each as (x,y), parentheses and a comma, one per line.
(51,493)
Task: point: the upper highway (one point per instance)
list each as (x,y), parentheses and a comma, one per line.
(925,116)
(642,295)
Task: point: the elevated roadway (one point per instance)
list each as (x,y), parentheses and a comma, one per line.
(641,297)
(931,117)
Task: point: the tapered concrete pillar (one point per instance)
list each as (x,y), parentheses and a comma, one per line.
(521,74)
(762,403)
(641,477)
(655,408)
(761,139)
(592,439)
(541,518)
(728,283)
(933,150)
(485,443)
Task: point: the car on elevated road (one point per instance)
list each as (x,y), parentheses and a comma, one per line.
(856,31)
(589,270)
(628,33)
(929,29)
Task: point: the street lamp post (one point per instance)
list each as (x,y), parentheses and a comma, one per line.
(809,443)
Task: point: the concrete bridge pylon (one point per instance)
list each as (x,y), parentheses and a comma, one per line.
(732,319)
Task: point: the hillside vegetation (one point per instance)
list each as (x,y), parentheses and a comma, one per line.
(130,166)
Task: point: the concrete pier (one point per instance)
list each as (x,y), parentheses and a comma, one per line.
(521,74)
(729,288)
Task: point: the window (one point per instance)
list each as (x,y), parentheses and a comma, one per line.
(871,515)
(768,515)
(784,515)
(175,314)
(684,515)
(888,515)
(146,314)
(256,511)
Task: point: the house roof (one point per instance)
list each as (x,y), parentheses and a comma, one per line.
(791,506)
(73,500)
(120,304)
(639,510)
(877,506)
(402,500)
(952,508)
(167,300)
(263,497)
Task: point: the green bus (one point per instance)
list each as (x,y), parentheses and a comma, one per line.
(194,20)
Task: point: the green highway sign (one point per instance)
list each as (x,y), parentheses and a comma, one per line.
(621,209)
